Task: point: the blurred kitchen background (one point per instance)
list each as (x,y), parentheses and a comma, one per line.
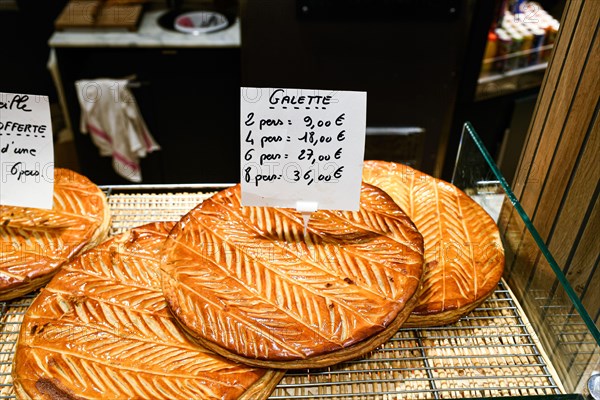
(427,66)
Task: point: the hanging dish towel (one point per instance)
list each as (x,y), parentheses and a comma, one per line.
(109,113)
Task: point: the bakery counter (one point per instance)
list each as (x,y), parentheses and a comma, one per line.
(149,35)
(491,352)
(531,339)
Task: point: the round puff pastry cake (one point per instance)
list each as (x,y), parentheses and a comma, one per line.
(247,282)
(34,242)
(463,251)
(101,329)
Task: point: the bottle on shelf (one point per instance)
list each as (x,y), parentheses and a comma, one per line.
(522,35)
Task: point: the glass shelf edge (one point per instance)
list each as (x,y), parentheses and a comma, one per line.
(534,233)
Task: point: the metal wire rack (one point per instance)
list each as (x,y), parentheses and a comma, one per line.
(491,352)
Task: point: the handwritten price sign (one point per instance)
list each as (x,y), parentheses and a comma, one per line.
(302,145)
(26,151)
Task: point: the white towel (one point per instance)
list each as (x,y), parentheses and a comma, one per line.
(110,114)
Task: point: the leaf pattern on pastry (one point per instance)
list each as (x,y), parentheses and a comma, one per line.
(35,242)
(463,250)
(101,329)
(249,280)
(35,218)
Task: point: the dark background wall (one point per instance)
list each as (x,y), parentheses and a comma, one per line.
(418,60)
(409,56)
(25,29)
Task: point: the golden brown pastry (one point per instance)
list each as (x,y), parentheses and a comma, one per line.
(101,330)
(463,250)
(247,282)
(34,243)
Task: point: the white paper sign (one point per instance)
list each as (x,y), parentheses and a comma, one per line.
(302,146)
(26,151)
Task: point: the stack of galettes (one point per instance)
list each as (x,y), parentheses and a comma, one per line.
(221,303)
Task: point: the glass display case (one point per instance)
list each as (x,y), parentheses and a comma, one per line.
(531,339)
(565,330)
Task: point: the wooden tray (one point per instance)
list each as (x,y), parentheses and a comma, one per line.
(96,14)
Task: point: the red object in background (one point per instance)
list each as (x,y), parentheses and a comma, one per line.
(187,22)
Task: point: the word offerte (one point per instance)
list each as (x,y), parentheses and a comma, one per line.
(26,151)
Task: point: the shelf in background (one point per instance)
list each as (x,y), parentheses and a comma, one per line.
(501,84)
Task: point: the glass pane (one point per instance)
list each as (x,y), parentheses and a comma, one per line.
(566,332)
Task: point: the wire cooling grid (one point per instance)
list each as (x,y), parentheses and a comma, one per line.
(491,352)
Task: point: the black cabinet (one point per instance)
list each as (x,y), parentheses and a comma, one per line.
(189,99)
(407,55)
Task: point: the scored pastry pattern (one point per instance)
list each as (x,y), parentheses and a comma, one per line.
(248,279)
(36,242)
(101,329)
(463,250)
